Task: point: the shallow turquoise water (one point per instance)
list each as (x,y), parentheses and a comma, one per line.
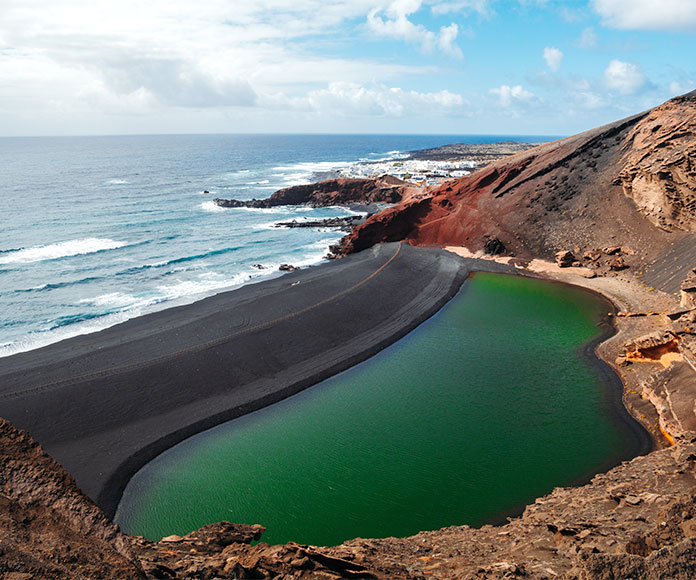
(484,407)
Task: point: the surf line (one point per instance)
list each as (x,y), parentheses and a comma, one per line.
(204,345)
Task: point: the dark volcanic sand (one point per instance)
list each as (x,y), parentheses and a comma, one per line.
(104,404)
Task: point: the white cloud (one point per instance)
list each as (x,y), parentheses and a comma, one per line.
(647,14)
(553,58)
(447,38)
(462,6)
(624,77)
(588,38)
(97,58)
(590,100)
(350,98)
(681,87)
(393,22)
(508,95)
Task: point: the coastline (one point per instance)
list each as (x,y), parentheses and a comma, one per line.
(105,404)
(91,456)
(620,294)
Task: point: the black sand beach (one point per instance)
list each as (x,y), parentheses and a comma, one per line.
(106,403)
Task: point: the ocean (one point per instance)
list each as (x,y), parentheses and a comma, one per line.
(97,230)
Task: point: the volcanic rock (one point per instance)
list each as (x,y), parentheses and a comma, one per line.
(688,291)
(343,191)
(564,258)
(617,263)
(631,183)
(493,247)
(345,223)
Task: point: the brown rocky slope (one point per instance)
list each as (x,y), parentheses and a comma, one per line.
(631,183)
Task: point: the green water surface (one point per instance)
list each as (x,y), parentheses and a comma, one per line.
(484,407)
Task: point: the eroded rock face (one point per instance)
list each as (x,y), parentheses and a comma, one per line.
(659,166)
(564,258)
(48,527)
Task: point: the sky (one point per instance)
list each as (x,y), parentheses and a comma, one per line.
(531,67)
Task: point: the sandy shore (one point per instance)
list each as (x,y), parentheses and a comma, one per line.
(625,294)
(104,404)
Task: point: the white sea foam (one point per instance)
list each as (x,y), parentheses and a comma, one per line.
(40,339)
(313,166)
(117,182)
(166,295)
(60,250)
(115,300)
(205,284)
(211,206)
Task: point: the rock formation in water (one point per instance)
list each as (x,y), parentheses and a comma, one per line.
(342,191)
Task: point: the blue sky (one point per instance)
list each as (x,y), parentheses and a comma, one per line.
(353,66)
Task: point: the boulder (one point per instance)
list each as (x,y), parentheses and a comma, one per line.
(612,251)
(688,291)
(652,345)
(493,246)
(565,258)
(618,264)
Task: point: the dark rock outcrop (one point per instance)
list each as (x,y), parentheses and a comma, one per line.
(494,247)
(343,223)
(343,191)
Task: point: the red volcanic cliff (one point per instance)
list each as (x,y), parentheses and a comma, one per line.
(628,183)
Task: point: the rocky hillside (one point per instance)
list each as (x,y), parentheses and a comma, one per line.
(48,527)
(628,184)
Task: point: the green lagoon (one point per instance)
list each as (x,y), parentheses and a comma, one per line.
(489,404)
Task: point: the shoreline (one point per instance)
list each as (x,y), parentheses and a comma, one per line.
(105,404)
(617,293)
(113,470)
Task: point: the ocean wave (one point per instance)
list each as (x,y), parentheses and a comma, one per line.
(206,284)
(114,300)
(56,285)
(211,206)
(117,182)
(69,319)
(60,250)
(313,166)
(64,328)
(181,260)
(203,255)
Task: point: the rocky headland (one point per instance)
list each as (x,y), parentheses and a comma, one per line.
(340,191)
(481,153)
(612,209)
